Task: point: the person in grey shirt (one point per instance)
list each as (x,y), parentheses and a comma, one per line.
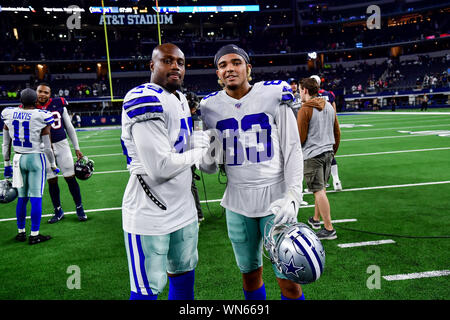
(319,136)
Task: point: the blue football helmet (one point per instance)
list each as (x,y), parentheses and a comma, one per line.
(7,192)
(296,251)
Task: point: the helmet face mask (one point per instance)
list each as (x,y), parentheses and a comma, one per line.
(84,168)
(296,251)
(7,192)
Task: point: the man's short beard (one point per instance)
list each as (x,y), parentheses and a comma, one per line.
(172,87)
(232,87)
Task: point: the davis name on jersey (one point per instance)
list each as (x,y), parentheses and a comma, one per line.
(56,107)
(246,127)
(25,126)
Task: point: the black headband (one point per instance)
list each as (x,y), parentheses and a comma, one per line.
(231,48)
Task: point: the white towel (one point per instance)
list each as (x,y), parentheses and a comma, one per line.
(17,175)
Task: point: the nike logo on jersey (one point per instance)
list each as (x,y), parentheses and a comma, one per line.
(293,204)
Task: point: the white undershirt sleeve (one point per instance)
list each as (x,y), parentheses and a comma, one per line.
(292,151)
(70,129)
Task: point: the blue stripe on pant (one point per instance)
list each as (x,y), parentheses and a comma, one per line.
(137,263)
(152,257)
(142,263)
(44,174)
(131,255)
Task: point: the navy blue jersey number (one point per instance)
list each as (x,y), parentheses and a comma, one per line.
(235,152)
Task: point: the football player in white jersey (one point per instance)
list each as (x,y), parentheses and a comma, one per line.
(158,210)
(26,128)
(258,134)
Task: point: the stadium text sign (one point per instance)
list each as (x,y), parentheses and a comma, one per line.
(129,19)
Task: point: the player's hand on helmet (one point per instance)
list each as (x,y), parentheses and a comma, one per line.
(199,139)
(56,170)
(285,209)
(79,154)
(8,172)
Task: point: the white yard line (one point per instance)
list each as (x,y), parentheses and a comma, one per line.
(103,155)
(417,275)
(337,156)
(104,146)
(120,208)
(114,171)
(395,113)
(68,213)
(390,186)
(339,220)
(404,120)
(218,200)
(386,137)
(366,243)
(87,139)
(389,152)
(395,128)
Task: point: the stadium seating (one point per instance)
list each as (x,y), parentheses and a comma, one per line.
(351,58)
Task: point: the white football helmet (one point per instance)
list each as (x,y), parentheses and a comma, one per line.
(296,251)
(7,192)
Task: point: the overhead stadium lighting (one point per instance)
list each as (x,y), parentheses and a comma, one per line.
(207,9)
(312,55)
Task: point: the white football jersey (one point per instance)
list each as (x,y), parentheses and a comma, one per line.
(156,126)
(257,133)
(25,127)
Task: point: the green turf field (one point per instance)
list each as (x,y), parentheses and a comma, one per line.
(395,183)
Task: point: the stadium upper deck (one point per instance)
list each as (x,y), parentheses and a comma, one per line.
(37,43)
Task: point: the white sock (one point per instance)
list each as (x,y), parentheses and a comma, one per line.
(334,173)
(34,233)
(21,230)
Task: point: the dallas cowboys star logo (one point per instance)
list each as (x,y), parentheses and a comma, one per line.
(292,268)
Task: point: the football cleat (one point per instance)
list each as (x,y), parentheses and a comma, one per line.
(295,250)
(80,213)
(59,214)
(38,239)
(337,185)
(21,236)
(84,168)
(7,192)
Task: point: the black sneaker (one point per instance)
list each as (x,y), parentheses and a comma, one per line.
(21,236)
(59,214)
(315,224)
(38,239)
(80,213)
(324,234)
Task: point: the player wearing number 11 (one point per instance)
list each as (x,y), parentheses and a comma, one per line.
(258,134)
(26,129)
